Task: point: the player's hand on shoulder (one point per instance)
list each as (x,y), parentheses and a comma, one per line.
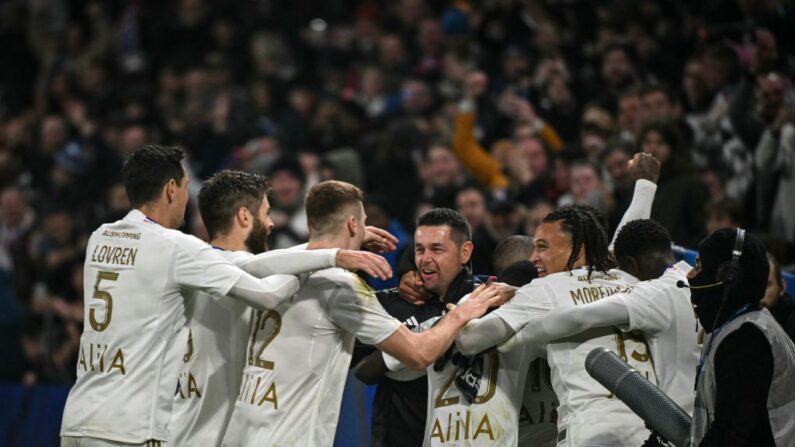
(378,240)
(412,288)
(506,292)
(644,166)
(482,298)
(370,263)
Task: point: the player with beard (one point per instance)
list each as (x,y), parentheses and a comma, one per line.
(142,269)
(235,209)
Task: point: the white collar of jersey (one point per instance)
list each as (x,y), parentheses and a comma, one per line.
(682,267)
(135,215)
(629,278)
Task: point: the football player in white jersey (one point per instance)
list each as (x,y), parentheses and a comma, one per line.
(656,306)
(299,353)
(575,268)
(477,400)
(235,209)
(137,271)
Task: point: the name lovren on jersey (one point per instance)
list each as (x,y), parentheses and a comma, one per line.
(99,357)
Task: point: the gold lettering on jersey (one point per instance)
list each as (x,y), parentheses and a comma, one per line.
(270,396)
(193,387)
(186,358)
(461,430)
(484,427)
(251,389)
(122,234)
(111,254)
(597,275)
(118,362)
(92,358)
(585,295)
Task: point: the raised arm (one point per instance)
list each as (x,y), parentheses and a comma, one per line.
(645,169)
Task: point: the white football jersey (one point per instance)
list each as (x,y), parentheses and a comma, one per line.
(212,366)
(492,417)
(588,414)
(136,273)
(538,417)
(298,357)
(662,311)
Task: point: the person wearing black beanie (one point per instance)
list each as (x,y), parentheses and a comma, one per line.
(745,384)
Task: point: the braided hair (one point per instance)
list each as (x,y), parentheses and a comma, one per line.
(585,230)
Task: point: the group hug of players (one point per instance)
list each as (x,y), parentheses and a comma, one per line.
(259,342)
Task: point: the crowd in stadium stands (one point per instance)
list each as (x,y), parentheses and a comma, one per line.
(502,109)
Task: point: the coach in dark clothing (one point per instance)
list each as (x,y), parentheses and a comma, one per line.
(442,248)
(745,386)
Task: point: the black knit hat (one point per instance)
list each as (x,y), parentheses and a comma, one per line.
(717,248)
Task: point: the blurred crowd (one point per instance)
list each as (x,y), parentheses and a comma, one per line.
(502,109)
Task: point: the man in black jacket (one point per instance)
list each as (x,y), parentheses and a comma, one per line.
(442,249)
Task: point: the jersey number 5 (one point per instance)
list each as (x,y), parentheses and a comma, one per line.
(261,319)
(105,296)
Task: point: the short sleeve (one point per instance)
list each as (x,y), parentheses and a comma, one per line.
(353,306)
(530,302)
(392,363)
(200,267)
(649,304)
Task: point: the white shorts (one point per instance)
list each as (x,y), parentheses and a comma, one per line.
(69,441)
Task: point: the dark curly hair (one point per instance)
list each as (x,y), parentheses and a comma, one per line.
(586,232)
(640,237)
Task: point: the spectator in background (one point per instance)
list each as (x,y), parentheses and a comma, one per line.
(17,220)
(505,218)
(444,176)
(535,215)
(595,130)
(472,203)
(376,209)
(17,275)
(618,72)
(777,300)
(659,103)
(528,165)
(724,213)
(679,204)
(287,204)
(629,115)
(774,157)
(587,187)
